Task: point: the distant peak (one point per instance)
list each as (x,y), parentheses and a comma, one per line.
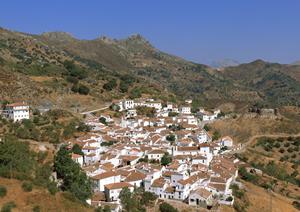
(259,62)
(106,39)
(58,35)
(224,63)
(137,37)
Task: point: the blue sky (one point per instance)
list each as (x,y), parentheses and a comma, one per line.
(198,30)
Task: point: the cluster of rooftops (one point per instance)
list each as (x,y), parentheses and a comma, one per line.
(132,152)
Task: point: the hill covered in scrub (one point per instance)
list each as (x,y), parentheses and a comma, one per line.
(57,69)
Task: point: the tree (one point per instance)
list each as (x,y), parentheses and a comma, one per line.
(76,149)
(166,159)
(207,127)
(146,111)
(130,201)
(3,191)
(135,93)
(126,199)
(82,127)
(148,197)
(74,179)
(69,130)
(103,120)
(165,207)
(16,159)
(171,137)
(111,84)
(216,135)
(82,89)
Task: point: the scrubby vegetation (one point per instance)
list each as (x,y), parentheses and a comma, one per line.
(50,127)
(165,207)
(3,191)
(18,161)
(136,200)
(74,179)
(7,207)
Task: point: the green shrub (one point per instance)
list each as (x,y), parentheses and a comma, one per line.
(36,208)
(296,204)
(52,188)
(165,207)
(229,199)
(84,90)
(7,207)
(27,186)
(277,145)
(111,84)
(207,127)
(3,191)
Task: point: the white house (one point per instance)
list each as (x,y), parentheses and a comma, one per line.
(154,104)
(226,141)
(131,113)
(105,178)
(17,111)
(202,136)
(201,197)
(77,158)
(185,110)
(135,178)
(155,154)
(112,191)
(126,104)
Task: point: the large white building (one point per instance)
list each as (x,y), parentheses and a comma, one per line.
(17,111)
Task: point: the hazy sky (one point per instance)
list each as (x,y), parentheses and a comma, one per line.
(198,30)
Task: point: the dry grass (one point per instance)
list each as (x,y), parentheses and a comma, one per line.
(260,200)
(25,201)
(243,128)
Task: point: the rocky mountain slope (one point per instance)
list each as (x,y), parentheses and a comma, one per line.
(55,64)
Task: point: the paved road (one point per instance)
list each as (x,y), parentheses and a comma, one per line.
(92,111)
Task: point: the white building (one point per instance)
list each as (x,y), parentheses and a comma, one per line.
(185,110)
(131,113)
(105,178)
(17,111)
(201,197)
(154,104)
(77,158)
(155,154)
(112,191)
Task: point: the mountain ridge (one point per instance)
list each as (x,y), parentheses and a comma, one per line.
(137,66)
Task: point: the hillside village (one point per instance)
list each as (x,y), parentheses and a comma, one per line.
(168,153)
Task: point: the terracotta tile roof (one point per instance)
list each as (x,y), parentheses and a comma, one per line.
(170,189)
(75,156)
(118,185)
(202,192)
(194,178)
(217,186)
(156,151)
(180,157)
(217,180)
(159,183)
(135,176)
(104,175)
(89,148)
(188,148)
(169,173)
(128,157)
